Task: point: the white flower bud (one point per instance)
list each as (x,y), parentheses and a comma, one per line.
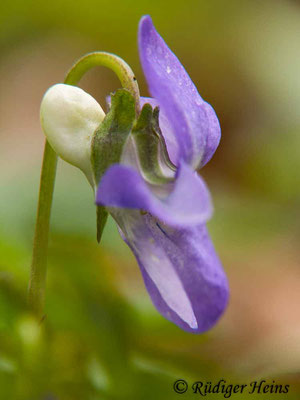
(69,117)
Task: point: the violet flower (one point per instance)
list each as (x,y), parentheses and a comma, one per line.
(146,169)
(181,270)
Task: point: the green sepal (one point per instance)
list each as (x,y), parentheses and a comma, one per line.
(151,146)
(109,140)
(102,215)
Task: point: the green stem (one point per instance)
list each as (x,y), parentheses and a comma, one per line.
(37,281)
(111,61)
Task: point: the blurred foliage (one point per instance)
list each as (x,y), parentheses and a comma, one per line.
(101,337)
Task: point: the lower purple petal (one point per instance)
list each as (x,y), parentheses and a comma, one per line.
(181,270)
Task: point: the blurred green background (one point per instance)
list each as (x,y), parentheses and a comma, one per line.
(102,338)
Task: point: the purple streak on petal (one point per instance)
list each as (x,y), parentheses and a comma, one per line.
(166,129)
(193,121)
(188,203)
(181,270)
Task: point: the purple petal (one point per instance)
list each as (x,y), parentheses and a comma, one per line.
(188,203)
(181,270)
(193,121)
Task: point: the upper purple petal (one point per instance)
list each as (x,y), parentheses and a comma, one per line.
(181,270)
(193,121)
(188,201)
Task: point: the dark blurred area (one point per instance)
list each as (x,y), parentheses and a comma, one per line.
(102,338)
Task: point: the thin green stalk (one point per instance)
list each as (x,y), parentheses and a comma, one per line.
(111,61)
(37,282)
(38,273)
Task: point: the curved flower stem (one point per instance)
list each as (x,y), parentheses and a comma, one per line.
(37,281)
(111,61)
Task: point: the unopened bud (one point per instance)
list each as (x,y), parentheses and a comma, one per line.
(69,118)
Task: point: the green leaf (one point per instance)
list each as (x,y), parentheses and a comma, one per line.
(151,147)
(109,140)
